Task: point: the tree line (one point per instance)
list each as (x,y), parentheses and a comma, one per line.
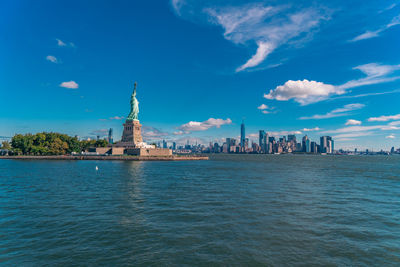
(49,144)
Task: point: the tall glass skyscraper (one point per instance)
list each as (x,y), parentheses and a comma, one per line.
(261,138)
(326,144)
(242,135)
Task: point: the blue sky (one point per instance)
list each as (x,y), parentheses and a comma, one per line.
(304,67)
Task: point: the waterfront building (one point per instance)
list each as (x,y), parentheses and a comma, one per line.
(174,145)
(326,144)
(313,147)
(330,146)
(298,147)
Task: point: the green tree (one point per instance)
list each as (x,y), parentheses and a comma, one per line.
(5,145)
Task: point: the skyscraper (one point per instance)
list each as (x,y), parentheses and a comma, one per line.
(261,138)
(306,144)
(242,135)
(326,144)
(110,136)
(291,137)
(263,141)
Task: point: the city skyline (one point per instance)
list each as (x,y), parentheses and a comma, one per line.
(201,70)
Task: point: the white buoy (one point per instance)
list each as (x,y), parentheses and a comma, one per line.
(97,168)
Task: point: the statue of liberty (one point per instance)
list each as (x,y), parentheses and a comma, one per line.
(134,114)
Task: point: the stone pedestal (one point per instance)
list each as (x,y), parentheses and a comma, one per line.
(132,133)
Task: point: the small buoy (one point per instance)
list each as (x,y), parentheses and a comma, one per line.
(97,168)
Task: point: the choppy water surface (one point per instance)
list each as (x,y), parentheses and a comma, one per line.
(231,210)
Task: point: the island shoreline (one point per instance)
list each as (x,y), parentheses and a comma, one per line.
(123,158)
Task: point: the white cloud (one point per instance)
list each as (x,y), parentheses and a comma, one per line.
(311,129)
(151,132)
(376,73)
(339,112)
(353,122)
(303,92)
(69,85)
(351,129)
(61,43)
(205,125)
(52,59)
(392,136)
(266,109)
(366,35)
(359,131)
(385,118)
(177,5)
(307,92)
(371,34)
(263,50)
(281,133)
(388,8)
(352,135)
(179,133)
(263,106)
(116,118)
(268,112)
(367,94)
(268,26)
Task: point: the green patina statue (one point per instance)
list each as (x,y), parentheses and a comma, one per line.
(134,114)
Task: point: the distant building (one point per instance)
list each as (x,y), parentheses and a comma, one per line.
(306,144)
(164,144)
(174,146)
(110,136)
(313,147)
(261,136)
(291,137)
(246,143)
(298,147)
(326,144)
(242,135)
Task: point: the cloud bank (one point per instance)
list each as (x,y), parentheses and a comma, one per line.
(306,92)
